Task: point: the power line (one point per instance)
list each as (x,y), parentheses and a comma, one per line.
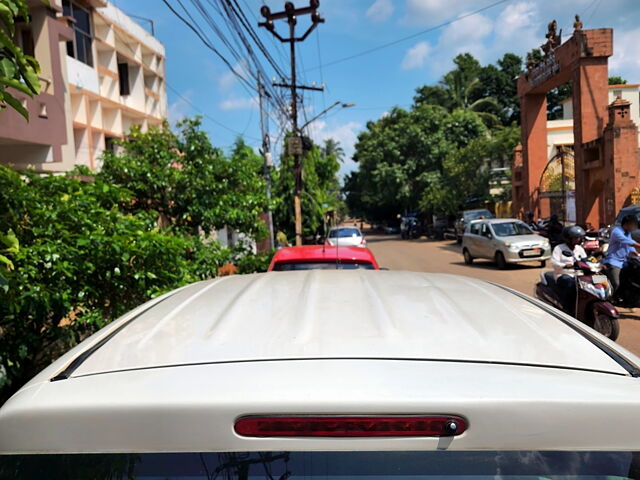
(208,117)
(408,37)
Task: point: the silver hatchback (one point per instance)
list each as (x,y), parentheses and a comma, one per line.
(505,240)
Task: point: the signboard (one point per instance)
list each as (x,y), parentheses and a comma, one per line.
(544,70)
(294,146)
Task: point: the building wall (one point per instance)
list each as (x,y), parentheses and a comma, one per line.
(81,107)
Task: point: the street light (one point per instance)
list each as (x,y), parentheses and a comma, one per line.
(343,105)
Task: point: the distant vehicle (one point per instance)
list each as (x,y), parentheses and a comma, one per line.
(410,227)
(326,375)
(504,240)
(467,216)
(346,237)
(323,257)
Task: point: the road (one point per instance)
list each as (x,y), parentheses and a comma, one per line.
(445,257)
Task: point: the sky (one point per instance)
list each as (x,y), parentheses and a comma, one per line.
(200,83)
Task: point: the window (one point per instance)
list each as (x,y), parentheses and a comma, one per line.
(344,233)
(356,465)
(80,47)
(26,42)
(290,266)
(485,230)
(475,228)
(109,144)
(511,228)
(123,76)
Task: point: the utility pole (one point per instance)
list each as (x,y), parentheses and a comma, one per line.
(266,153)
(294,144)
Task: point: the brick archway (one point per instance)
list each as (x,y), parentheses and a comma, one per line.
(600,158)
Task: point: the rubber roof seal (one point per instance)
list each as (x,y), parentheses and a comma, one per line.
(80,359)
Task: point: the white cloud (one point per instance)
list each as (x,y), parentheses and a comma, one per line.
(346,134)
(238,103)
(180,108)
(626,59)
(416,56)
(228,79)
(380,11)
(515,18)
(468,31)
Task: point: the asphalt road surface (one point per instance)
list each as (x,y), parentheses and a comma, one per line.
(445,257)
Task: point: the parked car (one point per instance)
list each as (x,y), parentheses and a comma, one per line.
(346,237)
(467,216)
(322,257)
(505,240)
(332,375)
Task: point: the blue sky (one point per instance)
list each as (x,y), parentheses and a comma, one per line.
(377,81)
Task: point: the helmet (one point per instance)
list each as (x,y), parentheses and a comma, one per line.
(574,231)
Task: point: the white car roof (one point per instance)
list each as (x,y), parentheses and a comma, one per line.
(175,374)
(319,314)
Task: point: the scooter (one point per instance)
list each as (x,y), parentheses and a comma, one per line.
(628,295)
(592,301)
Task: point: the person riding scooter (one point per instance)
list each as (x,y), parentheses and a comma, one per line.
(563,259)
(621,247)
(533,225)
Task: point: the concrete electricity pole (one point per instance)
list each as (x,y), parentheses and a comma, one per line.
(294,144)
(266,153)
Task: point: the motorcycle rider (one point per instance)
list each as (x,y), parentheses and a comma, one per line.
(533,225)
(621,246)
(563,258)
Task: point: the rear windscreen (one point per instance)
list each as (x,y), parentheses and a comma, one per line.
(344,233)
(289,266)
(433,465)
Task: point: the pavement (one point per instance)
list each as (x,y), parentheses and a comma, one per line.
(445,257)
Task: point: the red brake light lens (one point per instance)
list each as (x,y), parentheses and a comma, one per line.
(339,426)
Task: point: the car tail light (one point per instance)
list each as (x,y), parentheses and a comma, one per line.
(355,426)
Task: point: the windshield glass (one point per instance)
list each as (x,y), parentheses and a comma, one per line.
(476,214)
(290,266)
(344,232)
(510,228)
(431,465)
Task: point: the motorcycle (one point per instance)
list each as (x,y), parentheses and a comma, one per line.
(628,295)
(592,300)
(592,245)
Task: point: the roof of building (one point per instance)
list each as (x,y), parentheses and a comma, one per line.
(323,253)
(346,314)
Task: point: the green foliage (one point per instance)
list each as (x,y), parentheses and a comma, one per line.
(17,70)
(75,255)
(187,182)
(617,80)
(321,189)
(438,155)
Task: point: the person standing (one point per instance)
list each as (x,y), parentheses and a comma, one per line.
(621,246)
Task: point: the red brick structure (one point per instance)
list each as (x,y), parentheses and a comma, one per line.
(605,138)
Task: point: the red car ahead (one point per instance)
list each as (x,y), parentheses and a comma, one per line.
(321,257)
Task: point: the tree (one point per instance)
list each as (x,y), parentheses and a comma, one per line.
(333,148)
(17,70)
(402,155)
(79,262)
(187,182)
(617,80)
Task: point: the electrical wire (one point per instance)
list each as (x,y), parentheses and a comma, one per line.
(409,37)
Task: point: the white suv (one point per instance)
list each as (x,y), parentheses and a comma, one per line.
(331,375)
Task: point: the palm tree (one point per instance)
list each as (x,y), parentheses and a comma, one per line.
(332,147)
(460,89)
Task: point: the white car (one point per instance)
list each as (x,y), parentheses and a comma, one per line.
(504,240)
(346,237)
(332,375)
